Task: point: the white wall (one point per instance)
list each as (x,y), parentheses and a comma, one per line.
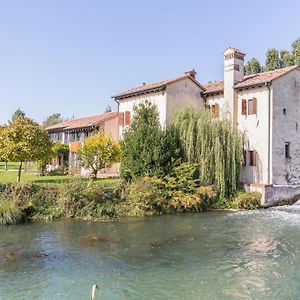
(181,94)
(157,98)
(219,99)
(286,128)
(255,129)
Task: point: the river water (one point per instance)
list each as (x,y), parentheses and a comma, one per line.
(213,255)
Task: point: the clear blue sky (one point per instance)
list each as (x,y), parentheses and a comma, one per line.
(71,56)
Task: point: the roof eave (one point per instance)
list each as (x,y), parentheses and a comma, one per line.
(146,91)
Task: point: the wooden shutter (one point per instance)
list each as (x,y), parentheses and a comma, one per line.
(254,106)
(244,158)
(121,119)
(254,158)
(217,110)
(127,118)
(244,107)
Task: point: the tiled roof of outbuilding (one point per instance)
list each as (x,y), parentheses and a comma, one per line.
(83,122)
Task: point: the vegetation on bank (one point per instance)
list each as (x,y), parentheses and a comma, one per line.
(189,166)
(92,201)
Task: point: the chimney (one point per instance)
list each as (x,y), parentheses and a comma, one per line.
(191,73)
(233,73)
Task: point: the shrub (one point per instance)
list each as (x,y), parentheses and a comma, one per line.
(247,200)
(10,213)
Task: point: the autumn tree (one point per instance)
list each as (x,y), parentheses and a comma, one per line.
(252,67)
(52,120)
(272,60)
(99,152)
(3,152)
(24,140)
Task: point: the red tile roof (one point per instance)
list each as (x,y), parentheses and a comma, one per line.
(250,80)
(214,87)
(160,85)
(83,122)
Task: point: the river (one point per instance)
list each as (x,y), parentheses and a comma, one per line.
(213,255)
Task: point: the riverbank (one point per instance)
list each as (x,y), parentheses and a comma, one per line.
(100,200)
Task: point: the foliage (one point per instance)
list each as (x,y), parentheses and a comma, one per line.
(241,200)
(9,213)
(3,152)
(252,67)
(286,59)
(52,120)
(98,152)
(296,51)
(147,149)
(214,146)
(24,140)
(17,114)
(272,60)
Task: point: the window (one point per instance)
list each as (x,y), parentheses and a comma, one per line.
(236,67)
(287,149)
(215,109)
(249,107)
(284,111)
(252,158)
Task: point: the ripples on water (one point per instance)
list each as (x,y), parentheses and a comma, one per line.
(215,255)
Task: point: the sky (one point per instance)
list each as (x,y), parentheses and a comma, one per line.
(71,56)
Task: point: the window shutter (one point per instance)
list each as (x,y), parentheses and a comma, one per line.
(244,107)
(127,118)
(254,158)
(217,110)
(244,158)
(254,106)
(121,119)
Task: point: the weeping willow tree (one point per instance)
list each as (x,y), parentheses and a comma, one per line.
(214,146)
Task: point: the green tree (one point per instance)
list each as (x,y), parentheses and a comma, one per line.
(98,152)
(24,140)
(296,51)
(18,114)
(3,152)
(52,120)
(272,60)
(252,67)
(214,146)
(286,59)
(147,149)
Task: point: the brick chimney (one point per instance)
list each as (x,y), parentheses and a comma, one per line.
(191,73)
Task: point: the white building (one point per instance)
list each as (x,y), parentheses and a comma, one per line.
(265,107)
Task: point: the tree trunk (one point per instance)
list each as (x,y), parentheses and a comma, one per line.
(5,166)
(19,172)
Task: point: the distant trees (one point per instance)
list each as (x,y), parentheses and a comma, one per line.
(24,140)
(99,152)
(275,59)
(252,67)
(52,120)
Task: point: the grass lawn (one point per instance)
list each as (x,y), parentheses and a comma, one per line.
(10,166)
(11,176)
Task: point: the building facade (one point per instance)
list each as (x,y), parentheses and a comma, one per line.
(265,107)
(73,133)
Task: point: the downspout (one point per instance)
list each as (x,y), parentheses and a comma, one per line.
(269,132)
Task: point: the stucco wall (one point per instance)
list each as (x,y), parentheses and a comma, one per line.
(111,127)
(255,129)
(219,99)
(286,128)
(181,94)
(157,98)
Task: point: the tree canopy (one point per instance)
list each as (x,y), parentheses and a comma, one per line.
(252,67)
(99,152)
(52,120)
(17,114)
(147,149)
(24,140)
